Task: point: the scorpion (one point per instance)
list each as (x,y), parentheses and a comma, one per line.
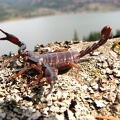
(50,64)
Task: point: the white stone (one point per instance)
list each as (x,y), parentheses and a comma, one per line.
(100,103)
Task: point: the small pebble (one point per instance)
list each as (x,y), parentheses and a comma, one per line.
(100,103)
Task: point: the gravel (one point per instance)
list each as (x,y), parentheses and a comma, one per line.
(98,93)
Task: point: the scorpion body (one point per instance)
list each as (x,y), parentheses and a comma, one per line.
(50,64)
(59,60)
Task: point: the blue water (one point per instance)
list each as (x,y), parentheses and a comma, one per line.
(48,29)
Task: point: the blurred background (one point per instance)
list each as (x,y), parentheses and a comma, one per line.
(46,21)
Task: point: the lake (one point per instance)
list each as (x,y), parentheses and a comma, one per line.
(48,29)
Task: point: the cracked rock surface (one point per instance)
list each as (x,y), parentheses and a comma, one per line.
(98,93)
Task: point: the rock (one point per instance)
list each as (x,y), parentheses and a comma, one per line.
(59,117)
(115,108)
(71,115)
(109,71)
(35,116)
(2,114)
(2,100)
(59,94)
(105,64)
(100,103)
(50,103)
(91,90)
(116,73)
(55,109)
(102,89)
(17,98)
(8,97)
(30,110)
(95,53)
(65,95)
(103,71)
(110,96)
(84,87)
(94,86)
(45,111)
(75,41)
(114,55)
(29,104)
(62,109)
(19,63)
(118,98)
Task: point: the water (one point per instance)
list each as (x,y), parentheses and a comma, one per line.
(48,29)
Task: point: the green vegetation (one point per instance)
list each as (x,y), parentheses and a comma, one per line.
(75,38)
(93,36)
(118,32)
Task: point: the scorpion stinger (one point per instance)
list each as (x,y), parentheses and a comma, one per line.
(50,64)
(104,36)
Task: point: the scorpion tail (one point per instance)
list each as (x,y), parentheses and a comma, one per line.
(105,34)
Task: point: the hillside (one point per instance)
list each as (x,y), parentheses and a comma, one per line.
(15,9)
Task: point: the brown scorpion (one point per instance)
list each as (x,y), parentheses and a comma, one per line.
(48,65)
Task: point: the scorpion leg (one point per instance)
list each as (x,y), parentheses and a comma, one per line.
(18,74)
(78,69)
(10,59)
(61,50)
(23,70)
(40,76)
(47,72)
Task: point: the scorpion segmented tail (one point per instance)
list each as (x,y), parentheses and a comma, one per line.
(105,34)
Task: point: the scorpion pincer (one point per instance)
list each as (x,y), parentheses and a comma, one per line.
(50,64)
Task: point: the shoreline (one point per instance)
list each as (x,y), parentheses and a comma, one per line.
(55,14)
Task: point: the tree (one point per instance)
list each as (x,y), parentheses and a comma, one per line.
(118,32)
(75,38)
(93,36)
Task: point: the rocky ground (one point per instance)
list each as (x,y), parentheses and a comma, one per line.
(97,95)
